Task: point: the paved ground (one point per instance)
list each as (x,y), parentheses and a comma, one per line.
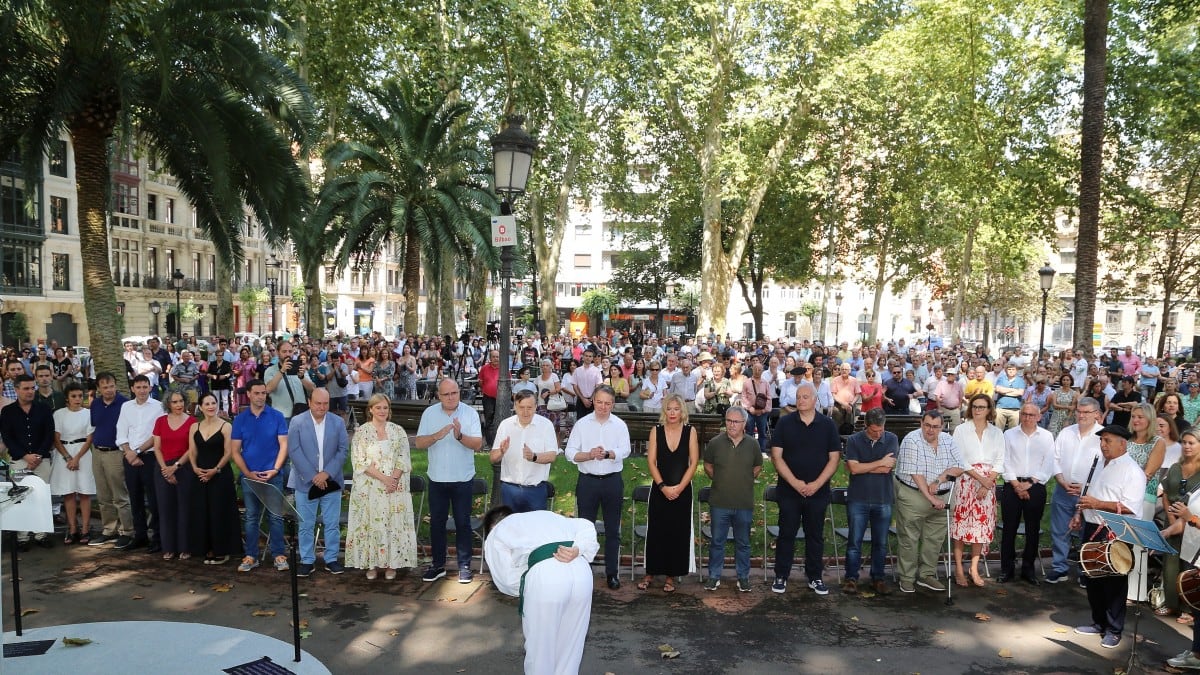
(360,626)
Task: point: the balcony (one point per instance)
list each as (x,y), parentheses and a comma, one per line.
(124,222)
(156,227)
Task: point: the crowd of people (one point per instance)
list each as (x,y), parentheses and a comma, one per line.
(1111,430)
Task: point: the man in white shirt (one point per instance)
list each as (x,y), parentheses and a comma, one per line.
(1028,464)
(598,446)
(1118,487)
(135,438)
(586,378)
(684,384)
(1079,369)
(525,447)
(1076,453)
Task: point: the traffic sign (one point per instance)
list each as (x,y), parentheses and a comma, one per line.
(504,231)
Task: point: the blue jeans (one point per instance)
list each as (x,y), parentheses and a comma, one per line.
(442,498)
(722,520)
(879,516)
(254,514)
(757,425)
(1062,508)
(330,509)
(523,499)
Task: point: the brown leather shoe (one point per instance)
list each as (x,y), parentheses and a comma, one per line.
(850,587)
(881,588)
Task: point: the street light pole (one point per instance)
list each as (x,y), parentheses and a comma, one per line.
(155,308)
(837,319)
(1046,276)
(177,282)
(512,155)
(275,264)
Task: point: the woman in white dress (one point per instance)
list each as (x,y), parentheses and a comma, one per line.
(653,389)
(71,477)
(381,531)
(982,446)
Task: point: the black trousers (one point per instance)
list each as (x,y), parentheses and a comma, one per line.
(140,481)
(1106,595)
(796,511)
(605,494)
(1014,510)
(489,418)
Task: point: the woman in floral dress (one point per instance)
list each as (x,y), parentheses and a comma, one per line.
(1062,405)
(381,531)
(384,374)
(982,446)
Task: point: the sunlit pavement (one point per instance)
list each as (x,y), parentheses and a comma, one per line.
(355,625)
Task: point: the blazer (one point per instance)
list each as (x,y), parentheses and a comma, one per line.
(302,449)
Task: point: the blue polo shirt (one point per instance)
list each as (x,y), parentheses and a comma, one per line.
(104,418)
(449,460)
(871,488)
(260,437)
(1008,401)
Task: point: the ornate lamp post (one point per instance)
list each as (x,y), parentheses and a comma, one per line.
(274,264)
(155,308)
(177,282)
(837,318)
(512,156)
(1046,276)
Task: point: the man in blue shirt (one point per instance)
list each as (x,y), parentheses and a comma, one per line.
(108,466)
(450,429)
(1010,387)
(260,435)
(870,458)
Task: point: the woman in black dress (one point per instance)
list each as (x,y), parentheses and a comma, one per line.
(215,525)
(672,455)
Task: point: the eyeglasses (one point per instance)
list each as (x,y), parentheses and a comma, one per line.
(735,421)
(980,407)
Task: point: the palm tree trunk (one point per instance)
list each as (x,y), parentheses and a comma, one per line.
(433,293)
(224,297)
(99,295)
(1091,146)
(446,306)
(477,295)
(412,279)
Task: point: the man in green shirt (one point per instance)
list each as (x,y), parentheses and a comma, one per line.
(733,461)
(46,395)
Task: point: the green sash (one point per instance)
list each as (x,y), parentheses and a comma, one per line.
(537,555)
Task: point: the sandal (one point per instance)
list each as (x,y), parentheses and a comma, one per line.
(185,556)
(1185,619)
(372,574)
(389,574)
(977,580)
(669,587)
(69,538)
(960,580)
(645,583)
(168,556)
(84,539)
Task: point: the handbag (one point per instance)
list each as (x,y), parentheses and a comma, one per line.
(556,403)
(760,398)
(297,407)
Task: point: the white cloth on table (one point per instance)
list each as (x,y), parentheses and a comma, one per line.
(72,426)
(558,596)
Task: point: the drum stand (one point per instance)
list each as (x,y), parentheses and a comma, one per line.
(1133,657)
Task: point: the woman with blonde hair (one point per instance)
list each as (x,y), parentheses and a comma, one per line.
(381,531)
(672,456)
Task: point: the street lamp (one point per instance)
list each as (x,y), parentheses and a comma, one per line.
(308,293)
(512,155)
(866,326)
(1046,275)
(837,317)
(929,327)
(177,282)
(273,263)
(155,308)
(1153,328)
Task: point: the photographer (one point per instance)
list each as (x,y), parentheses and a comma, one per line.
(287,383)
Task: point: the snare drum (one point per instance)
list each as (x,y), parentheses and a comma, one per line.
(1105,559)
(1189,588)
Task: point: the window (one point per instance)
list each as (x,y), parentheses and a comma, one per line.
(583,228)
(170,262)
(1066,257)
(20,267)
(62,271)
(58,215)
(1173,321)
(126,162)
(125,199)
(152,206)
(151,261)
(612,260)
(583,261)
(169,213)
(58,158)
(196,266)
(13,213)
(1112,317)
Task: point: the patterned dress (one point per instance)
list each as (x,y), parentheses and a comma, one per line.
(1060,418)
(381,531)
(974,520)
(1140,452)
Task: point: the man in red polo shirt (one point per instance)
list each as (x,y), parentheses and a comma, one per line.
(489,380)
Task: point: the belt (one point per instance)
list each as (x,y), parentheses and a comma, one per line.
(601,475)
(954,407)
(1025,479)
(77,440)
(518,485)
(105,448)
(914,487)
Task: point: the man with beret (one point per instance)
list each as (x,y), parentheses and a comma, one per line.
(1118,487)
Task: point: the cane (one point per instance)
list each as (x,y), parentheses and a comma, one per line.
(949,582)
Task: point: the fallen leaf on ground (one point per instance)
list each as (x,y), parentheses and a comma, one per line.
(1001,591)
(192,591)
(135,597)
(263,612)
(940,632)
(1060,630)
(665,648)
(305,634)
(980,616)
(854,618)
(27,612)
(76,642)
(1005,653)
(222,588)
(393,632)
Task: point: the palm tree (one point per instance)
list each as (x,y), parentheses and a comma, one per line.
(1091,142)
(185,80)
(419,178)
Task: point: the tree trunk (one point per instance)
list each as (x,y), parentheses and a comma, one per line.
(549,248)
(433,294)
(225,297)
(964,273)
(477,302)
(99,294)
(447,298)
(412,279)
(1091,156)
(314,318)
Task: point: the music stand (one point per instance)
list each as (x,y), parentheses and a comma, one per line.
(1144,533)
(24,507)
(278,505)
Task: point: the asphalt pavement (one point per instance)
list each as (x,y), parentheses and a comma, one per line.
(358,626)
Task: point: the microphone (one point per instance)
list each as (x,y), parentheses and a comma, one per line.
(15,490)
